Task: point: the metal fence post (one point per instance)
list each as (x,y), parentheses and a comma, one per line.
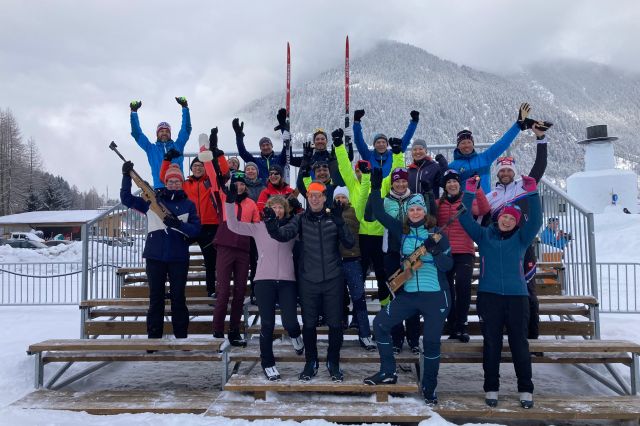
(84,282)
(593,269)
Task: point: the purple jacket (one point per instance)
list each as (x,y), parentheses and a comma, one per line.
(275,259)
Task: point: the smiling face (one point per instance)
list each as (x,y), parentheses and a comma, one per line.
(466,146)
(320,142)
(316,200)
(234,163)
(400,186)
(506,176)
(278,209)
(322,173)
(418,153)
(452,186)
(380,145)
(274,177)
(164,135)
(416,213)
(174,184)
(251,172)
(506,222)
(342,199)
(266,149)
(241,187)
(197,169)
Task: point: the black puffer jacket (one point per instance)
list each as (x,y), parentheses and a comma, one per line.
(320,258)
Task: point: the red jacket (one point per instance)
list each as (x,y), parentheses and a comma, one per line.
(459,240)
(197,190)
(270,191)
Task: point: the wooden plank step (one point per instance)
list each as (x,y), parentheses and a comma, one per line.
(140,301)
(116,327)
(115,356)
(142,291)
(89,345)
(200,276)
(141,311)
(104,402)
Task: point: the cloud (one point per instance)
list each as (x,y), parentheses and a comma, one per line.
(71,68)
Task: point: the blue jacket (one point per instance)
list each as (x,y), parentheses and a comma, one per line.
(156,151)
(432,275)
(472,163)
(262,162)
(165,244)
(381,161)
(502,254)
(549,237)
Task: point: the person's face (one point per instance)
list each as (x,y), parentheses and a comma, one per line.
(274,177)
(553,225)
(505,176)
(278,209)
(466,146)
(316,200)
(197,169)
(400,186)
(452,187)
(415,213)
(234,164)
(506,222)
(322,173)
(164,135)
(380,145)
(241,187)
(251,172)
(418,153)
(342,199)
(266,148)
(174,184)
(320,142)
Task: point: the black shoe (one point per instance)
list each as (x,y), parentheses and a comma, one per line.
(430,398)
(151,351)
(252,300)
(397,350)
(321,321)
(415,350)
(218,335)
(463,337)
(236,339)
(453,336)
(334,371)
(381,379)
(526,400)
(309,371)
(367,344)
(491,399)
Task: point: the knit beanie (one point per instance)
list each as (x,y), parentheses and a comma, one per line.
(173,172)
(378,136)
(417,200)
(513,210)
(448,175)
(341,190)
(419,142)
(163,125)
(319,163)
(399,173)
(195,160)
(317,187)
(252,164)
(265,140)
(276,168)
(506,163)
(238,177)
(464,135)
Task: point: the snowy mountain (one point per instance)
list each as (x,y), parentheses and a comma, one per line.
(393,78)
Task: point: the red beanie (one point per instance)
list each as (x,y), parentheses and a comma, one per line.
(173,172)
(513,210)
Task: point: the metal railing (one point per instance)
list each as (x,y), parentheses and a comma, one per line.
(618,287)
(42,283)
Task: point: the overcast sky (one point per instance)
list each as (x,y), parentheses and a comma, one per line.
(70,68)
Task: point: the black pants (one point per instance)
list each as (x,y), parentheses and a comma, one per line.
(371,253)
(327,295)
(205,241)
(253,263)
(459,278)
(496,312)
(267,293)
(530,262)
(398,331)
(157,273)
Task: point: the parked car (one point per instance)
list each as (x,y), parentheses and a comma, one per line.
(22,243)
(52,243)
(26,236)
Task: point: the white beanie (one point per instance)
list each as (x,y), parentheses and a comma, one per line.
(341,190)
(506,163)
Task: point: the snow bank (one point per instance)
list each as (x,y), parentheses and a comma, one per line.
(60,253)
(617,237)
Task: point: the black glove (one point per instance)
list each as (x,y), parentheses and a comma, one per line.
(364,166)
(336,213)
(337,136)
(357,116)
(182,101)
(294,204)
(376,179)
(172,222)
(213,140)
(134,105)
(426,186)
(231,192)
(171,154)
(281,116)
(415,115)
(127,167)
(238,127)
(523,113)
(440,158)
(432,246)
(396,145)
(307,151)
(269,216)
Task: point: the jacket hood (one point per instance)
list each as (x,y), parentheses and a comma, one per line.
(427,160)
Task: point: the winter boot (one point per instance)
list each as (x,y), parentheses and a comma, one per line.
(367,343)
(236,339)
(526,400)
(430,398)
(271,373)
(463,334)
(381,379)
(310,370)
(298,344)
(334,371)
(491,399)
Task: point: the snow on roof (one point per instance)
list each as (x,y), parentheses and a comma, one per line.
(57,216)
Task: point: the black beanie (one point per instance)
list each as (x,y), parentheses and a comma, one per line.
(463,135)
(195,160)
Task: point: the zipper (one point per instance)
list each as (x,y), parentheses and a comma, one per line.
(501,268)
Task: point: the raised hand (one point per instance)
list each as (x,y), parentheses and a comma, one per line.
(134,105)
(357,116)
(269,215)
(337,136)
(364,166)
(238,127)
(529,184)
(127,167)
(336,213)
(415,115)
(523,113)
(281,116)
(376,179)
(307,151)
(471,184)
(182,101)
(396,145)
(171,154)
(213,140)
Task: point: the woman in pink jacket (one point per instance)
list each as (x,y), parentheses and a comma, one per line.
(275,281)
(462,250)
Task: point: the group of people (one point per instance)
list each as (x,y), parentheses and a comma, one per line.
(373,214)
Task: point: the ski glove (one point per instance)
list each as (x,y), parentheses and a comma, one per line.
(415,115)
(396,145)
(471,184)
(171,154)
(182,101)
(529,184)
(134,105)
(281,116)
(364,166)
(294,204)
(307,151)
(213,140)
(440,158)
(238,127)
(269,216)
(337,136)
(357,116)
(376,179)
(231,192)
(336,213)
(127,167)
(172,222)
(523,113)
(432,246)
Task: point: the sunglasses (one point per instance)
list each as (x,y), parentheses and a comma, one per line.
(274,173)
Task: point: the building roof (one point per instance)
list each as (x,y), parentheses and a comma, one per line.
(51,217)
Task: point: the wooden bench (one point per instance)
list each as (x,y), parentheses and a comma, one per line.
(106,351)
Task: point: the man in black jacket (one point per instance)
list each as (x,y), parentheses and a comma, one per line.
(321,281)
